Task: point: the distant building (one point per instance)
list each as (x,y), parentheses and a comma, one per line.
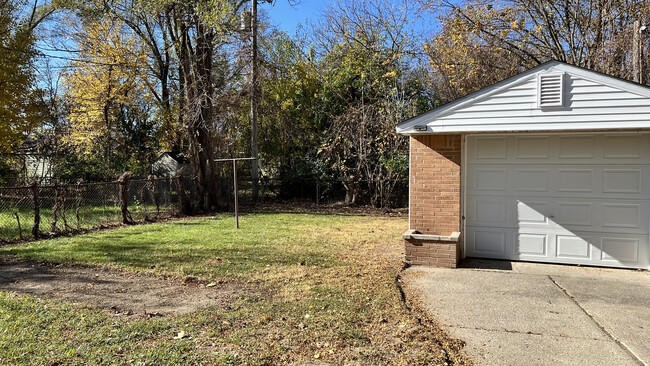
(168,163)
(37,168)
(32,164)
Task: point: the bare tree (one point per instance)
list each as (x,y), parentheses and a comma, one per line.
(594,34)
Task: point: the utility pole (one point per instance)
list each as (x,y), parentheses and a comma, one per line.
(637,51)
(254,101)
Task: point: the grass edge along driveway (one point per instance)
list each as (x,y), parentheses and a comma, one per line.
(318,288)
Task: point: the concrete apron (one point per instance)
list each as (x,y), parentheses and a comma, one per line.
(512,313)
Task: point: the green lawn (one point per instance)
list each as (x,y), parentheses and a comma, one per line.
(89,217)
(322,290)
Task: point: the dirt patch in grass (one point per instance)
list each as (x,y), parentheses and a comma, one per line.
(121,292)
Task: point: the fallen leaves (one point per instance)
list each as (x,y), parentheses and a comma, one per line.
(181,335)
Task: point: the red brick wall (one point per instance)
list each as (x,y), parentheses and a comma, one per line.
(435,195)
(431,253)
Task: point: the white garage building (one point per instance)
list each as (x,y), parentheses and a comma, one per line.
(552,165)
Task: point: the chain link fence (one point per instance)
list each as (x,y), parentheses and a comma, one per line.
(388,193)
(35,211)
(45,210)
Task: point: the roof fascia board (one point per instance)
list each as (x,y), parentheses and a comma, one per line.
(513,128)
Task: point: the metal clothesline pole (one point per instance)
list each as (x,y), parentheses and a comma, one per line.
(234,181)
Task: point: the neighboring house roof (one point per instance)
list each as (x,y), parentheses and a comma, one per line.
(179,157)
(591,101)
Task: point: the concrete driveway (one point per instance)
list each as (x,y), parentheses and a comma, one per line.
(512,313)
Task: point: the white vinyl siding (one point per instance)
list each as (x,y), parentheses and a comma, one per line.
(588,106)
(591,101)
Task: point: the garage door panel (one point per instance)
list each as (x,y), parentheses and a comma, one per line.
(623,215)
(531,180)
(575,180)
(578,199)
(584,181)
(490,242)
(622,181)
(577,147)
(624,147)
(490,180)
(570,247)
(620,250)
(573,214)
(535,147)
(531,245)
(532,212)
(619,148)
(491,148)
(491,211)
(558,214)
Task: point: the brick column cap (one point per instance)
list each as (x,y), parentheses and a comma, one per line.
(415,235)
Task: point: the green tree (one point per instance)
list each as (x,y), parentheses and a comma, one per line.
(368,68)
(292,125)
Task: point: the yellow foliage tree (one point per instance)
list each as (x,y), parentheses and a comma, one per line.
(463,60)
(484,42)
(108,76)
(20,109)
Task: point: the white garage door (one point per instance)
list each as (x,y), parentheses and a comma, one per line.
(581,199)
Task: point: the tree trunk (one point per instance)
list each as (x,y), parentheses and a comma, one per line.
(196,68)
(351,192)
(124,198)
(201,145)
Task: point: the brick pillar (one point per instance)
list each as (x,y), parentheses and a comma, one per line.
(435,200)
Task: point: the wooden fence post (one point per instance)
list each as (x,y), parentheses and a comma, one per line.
(154,193)
(37,210)
(63,199)
(186,207)
(123,181)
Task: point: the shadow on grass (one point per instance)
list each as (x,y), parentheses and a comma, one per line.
(11,275)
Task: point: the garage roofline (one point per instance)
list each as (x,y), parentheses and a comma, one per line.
(429,118)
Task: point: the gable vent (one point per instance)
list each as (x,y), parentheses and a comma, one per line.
(550,90)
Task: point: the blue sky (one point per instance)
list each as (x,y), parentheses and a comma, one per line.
(287,17)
